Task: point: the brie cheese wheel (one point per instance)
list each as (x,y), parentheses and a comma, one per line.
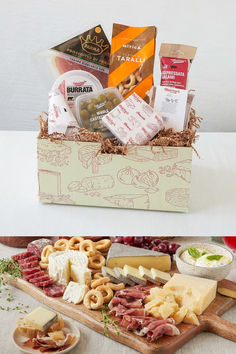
(60,262)
(75,292)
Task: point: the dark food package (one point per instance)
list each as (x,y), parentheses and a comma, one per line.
(88,51)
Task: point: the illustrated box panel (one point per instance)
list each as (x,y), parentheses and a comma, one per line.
(76,173)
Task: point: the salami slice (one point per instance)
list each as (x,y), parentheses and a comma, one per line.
(34,275)
(54,290)
(29,265)
(28,259)
(44,283)
(31,270)
(37,246)
(39,279)
(23,255)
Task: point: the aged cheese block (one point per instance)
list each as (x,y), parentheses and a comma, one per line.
(192,292)
(40,318)
(120,255)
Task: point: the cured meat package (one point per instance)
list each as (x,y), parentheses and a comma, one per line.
(88,51)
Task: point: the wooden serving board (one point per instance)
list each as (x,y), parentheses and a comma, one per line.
(210,321)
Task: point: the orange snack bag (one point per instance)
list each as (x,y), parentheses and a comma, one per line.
(132,59)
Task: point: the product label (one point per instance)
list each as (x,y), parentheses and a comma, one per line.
(174,72)
(91,46)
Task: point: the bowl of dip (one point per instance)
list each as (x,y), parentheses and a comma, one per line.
(206,260)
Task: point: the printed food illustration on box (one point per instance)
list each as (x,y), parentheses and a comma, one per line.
(93,178)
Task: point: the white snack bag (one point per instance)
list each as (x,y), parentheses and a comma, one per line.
(172,104)
(133,121)
(59,113)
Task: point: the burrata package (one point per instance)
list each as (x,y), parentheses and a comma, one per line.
(75,83)
(88,51)
(59,113)
(133,121)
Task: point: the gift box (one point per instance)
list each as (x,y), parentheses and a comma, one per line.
(150,178)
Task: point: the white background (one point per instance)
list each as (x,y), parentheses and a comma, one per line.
(29,26)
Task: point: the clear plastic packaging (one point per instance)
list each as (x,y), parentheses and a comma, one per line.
(90,109)
(75,83)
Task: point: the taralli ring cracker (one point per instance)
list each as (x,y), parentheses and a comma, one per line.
(74,242)
(93,299)
(88,247)
(98,276)
(115,287)
(95,271)
(96,261)
(62,245)
(46,252)
(100,281)
(102,245)
(106,291)
(43,265)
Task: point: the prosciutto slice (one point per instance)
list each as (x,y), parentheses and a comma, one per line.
(128,306)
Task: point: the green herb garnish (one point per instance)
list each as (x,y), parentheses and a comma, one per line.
(214,257)
(194,253)
(107,320)
(203,253)
(12,268)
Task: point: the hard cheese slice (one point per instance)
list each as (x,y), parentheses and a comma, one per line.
(120,255)
(227,288)
(192,292)
(40,318)
(134,275)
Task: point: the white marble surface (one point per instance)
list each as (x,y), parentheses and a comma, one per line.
(94,343)
(212,203)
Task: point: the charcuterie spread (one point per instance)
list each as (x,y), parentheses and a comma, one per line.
(131,281)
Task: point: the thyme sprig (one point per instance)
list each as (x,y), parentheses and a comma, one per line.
(107,320)
(12,268)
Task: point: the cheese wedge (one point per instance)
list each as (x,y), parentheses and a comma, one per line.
(192,292)
(119,272)
(227,288)
(146,273)
(133,274)
(120,255)
(75,292)
(159,276)
(57,335)
(81,276)
(180,315)
(40,318)
(191,318)
(108,272)
(60,263)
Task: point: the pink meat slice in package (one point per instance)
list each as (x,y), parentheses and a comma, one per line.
(133,121)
